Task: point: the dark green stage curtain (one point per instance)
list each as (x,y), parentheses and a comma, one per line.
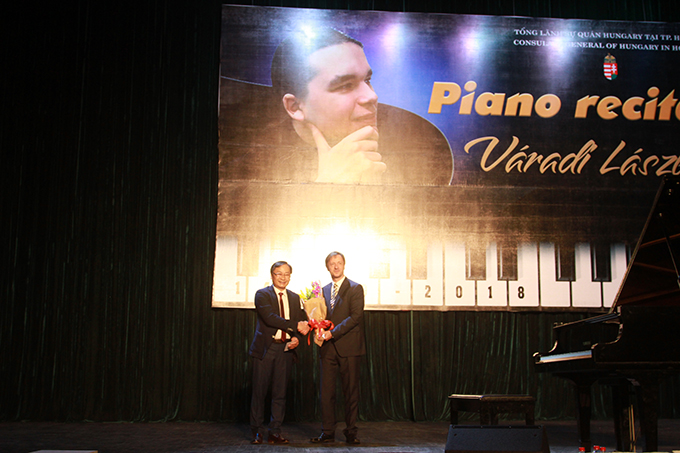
(109,169)
(416,359)
(172,370)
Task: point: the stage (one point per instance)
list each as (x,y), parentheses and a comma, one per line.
(182,437)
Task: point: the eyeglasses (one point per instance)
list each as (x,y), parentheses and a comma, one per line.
(280,274)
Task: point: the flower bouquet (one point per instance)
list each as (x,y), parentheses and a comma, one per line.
(315,307)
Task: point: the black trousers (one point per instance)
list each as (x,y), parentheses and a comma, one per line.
(273,370)
(348,368)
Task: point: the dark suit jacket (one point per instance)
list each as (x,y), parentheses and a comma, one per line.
(348,318)
(269,320)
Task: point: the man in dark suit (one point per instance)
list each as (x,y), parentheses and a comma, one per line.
(279,318)
(342,350)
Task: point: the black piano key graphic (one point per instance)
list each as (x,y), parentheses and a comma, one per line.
(248,257)
(507,261)
(475,261)
(417,262)
(380,265)
(601,264)
(565,262)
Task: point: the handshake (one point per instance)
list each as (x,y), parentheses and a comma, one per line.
(303,327)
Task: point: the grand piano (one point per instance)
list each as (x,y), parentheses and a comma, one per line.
(637,343)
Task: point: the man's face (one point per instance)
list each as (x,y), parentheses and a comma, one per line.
(340,98)
(336,267)
(281,276)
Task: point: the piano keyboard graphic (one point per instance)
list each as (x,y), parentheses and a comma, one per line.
(444,275)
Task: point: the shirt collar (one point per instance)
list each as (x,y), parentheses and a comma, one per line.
(339,283)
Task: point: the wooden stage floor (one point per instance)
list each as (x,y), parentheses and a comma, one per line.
(184,437)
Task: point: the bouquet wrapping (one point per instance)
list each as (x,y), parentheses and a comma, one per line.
(315,307)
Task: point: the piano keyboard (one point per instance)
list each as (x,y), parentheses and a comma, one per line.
(439,274)
(566,356)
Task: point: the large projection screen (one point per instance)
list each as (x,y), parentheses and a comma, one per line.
(520,156)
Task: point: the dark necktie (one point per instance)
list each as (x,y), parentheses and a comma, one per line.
(283,315)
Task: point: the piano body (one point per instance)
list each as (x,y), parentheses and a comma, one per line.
(637,342)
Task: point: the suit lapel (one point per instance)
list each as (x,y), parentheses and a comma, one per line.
(275,301)
(341,292)
(292,309)
(343,288)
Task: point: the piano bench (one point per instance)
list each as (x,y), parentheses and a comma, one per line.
(489,406)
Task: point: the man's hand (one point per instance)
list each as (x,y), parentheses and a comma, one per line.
(293,343)
(355,159)
(303,327)
(325,335)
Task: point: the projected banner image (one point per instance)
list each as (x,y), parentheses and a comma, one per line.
(458,162)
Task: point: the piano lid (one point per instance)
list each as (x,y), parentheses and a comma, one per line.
(652,276)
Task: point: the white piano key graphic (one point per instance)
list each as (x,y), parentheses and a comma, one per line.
(619,266)
(460,292)
(227,285)
(524,291)
(395,290)
(491,291)
(429,291)
(553,293)
(585,292)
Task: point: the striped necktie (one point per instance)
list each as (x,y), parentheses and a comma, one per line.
(334,294)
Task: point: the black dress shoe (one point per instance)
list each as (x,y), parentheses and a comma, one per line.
(352,440)
(257,439)
(323,438)
(277,439)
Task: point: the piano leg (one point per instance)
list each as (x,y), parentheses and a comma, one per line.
(583,402)
(624,423)
(648,392)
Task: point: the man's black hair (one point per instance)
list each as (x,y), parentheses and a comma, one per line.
(290,71)
(279,264)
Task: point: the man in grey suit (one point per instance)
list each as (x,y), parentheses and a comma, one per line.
(279,318)
(342,350)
